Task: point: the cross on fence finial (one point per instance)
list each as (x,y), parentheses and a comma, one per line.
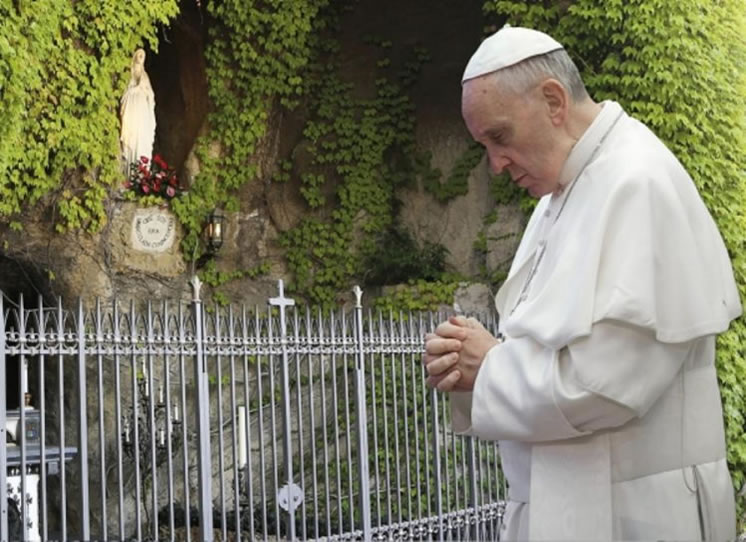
(281,301)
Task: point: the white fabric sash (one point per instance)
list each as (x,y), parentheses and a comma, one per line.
(570,492)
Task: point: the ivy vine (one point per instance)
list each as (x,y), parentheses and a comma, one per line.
(457,183)
(418,295)
(215,278)
(256,59)
(350,140)
(63,65)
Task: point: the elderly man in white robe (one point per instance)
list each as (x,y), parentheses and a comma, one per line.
(602,389)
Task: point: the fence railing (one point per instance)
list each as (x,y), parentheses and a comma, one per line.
(166,421)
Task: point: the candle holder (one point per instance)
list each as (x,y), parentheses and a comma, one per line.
(140,434)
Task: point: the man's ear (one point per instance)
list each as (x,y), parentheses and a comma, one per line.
(557,100)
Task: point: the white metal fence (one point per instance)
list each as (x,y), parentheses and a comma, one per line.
(168,422)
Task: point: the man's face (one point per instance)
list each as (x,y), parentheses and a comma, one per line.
(517,131)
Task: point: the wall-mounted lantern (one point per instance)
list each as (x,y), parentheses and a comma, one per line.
(214,230)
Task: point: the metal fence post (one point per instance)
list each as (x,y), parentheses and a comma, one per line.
(283,302)
(438,528)
(437,463)
(362,417)
(3,436)
(23,388)
(473,497)
(204,459)
(85,528)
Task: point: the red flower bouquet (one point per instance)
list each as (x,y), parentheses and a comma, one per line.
(154,178)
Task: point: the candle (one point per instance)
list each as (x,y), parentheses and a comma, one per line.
(126,431)
(176,413)
(242,454)
(160,394)
(145,378)
(162,437)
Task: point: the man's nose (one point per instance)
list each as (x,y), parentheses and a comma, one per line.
(498,163)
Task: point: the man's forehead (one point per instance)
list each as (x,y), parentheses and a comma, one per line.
(485,92)
(479,85)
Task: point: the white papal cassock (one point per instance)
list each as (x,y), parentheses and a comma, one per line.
(604,395)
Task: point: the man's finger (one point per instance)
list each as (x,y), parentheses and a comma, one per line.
(429,358)
(446,382)
(449,381)
(441,346)
(441,364)
(449,330)
(459,320)
(473,323)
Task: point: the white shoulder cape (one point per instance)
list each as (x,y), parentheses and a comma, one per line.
(634,243)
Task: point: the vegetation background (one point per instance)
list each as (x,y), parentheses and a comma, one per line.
(677,65)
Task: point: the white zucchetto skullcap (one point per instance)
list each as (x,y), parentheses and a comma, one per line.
(509,45)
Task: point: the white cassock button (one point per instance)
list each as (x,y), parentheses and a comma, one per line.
(542,243)
(547,213)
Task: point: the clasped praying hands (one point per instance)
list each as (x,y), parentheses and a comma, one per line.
(455,353)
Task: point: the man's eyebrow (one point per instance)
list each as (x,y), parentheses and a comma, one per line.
(496,131)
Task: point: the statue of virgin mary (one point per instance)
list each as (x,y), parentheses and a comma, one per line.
(137,113)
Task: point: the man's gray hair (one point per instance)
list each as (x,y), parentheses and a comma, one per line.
(556,64)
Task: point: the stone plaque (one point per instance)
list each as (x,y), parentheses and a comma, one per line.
(153,230)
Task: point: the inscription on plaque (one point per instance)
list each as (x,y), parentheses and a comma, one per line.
(153,231)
